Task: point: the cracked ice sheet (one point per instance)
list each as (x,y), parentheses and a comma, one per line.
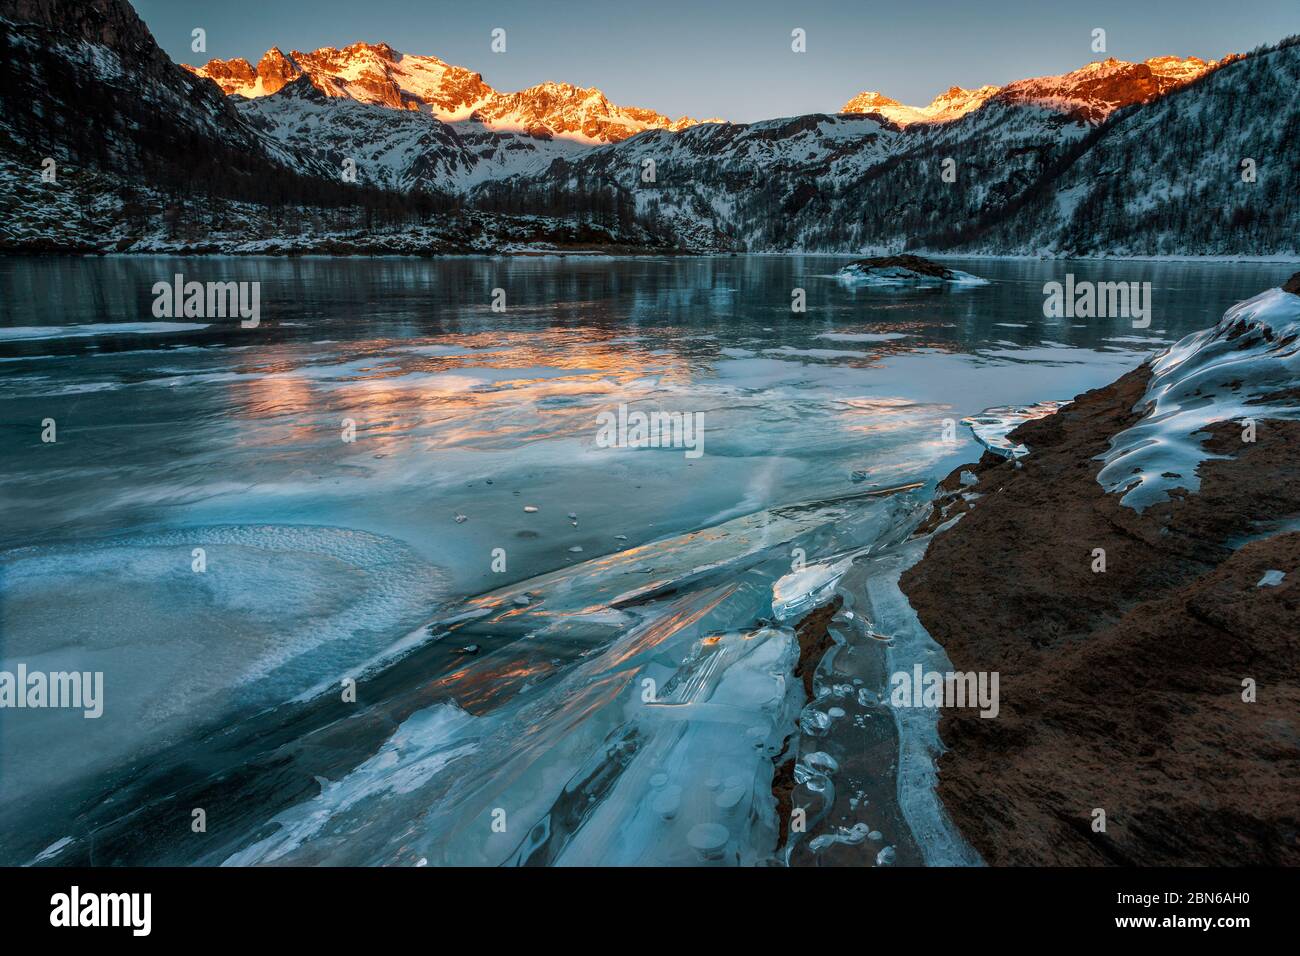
(705,768)
(573,752)
(587,741)
(918,727)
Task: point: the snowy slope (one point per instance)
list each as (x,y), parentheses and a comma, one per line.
(1112,159)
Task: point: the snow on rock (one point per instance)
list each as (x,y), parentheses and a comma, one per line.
(904,270)
(1238,371)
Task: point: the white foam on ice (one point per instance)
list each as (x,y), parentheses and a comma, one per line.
(28,333)
(1235,371)
(862,336)
(278,609)
(423,745)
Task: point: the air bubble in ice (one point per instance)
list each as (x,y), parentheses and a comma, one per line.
(821,761)
(885,857)
(729,799)
(854,834)
(850,836)
(814,721)
(709,840)
(818,783)
(668,802)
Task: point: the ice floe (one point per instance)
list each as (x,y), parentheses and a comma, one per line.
(992,426)
(29,333)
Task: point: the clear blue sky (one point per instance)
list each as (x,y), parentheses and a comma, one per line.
(732,58)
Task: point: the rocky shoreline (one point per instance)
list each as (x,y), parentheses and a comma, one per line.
(1123,690)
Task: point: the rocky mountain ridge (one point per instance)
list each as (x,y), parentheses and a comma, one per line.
(1091,92)
(378,74)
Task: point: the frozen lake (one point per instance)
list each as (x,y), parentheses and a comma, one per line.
(359,465)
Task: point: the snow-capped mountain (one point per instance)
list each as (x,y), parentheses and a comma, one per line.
(1210,169)
(378,74)
(405,150)
(1167,156)
(1103,159)
(732,186)
(949,105)
(1097,90)
(1092,92)
(411,122)
(107,145)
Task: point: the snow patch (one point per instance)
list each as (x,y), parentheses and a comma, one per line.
(1236,371)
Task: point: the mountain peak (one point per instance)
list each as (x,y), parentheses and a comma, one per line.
(952,103)
(376,73)
(869,98)
(1092,92)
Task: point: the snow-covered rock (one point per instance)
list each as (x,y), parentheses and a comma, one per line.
(1242,370)
(904,270)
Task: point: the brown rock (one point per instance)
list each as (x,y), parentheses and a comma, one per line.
(1123,690)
